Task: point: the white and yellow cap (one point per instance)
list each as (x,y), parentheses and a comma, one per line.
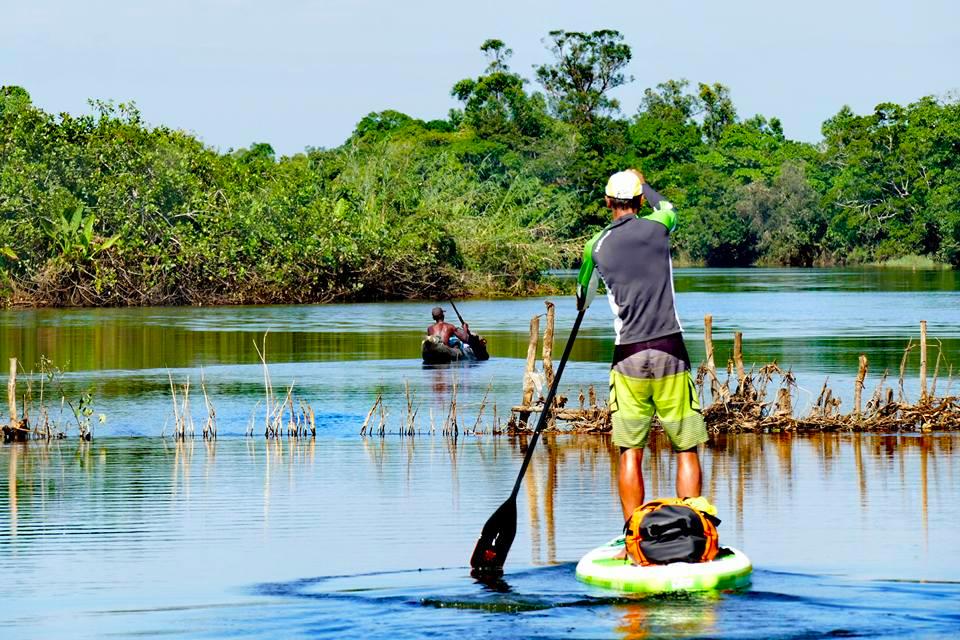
(624,185)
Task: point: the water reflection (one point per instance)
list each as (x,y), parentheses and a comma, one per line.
(749,472)
(692,616)
(12,486)
(182,524)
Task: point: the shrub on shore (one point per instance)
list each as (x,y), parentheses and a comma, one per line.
(102,209)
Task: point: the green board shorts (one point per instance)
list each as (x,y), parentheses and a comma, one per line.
(653,377)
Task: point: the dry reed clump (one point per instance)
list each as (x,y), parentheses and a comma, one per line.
(284,415)
(300,417)
(376,421)
(21,427)
(747,408)
(763,400)
(183,425)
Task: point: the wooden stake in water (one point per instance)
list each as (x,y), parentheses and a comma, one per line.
(531,367)
(547,352)
(738,357)
(923,361)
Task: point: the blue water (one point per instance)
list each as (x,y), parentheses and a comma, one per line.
(815,322)
(137,535)
(850,535)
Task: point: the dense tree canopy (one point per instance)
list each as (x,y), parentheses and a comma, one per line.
(104,209)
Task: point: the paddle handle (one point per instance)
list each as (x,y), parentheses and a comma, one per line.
(456,311)
(548,405)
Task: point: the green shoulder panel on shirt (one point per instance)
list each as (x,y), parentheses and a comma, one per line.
(664,214)
(587,278)
(586,267)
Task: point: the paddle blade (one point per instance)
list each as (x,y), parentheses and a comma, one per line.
(495,539)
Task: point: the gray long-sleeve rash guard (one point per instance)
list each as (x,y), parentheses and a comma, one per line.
(632,256)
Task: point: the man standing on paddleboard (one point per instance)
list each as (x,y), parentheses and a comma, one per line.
(651,368)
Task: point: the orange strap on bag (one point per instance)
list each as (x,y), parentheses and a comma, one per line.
(658,533)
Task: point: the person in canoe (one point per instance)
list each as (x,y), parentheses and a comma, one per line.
(446,342)
(650,373)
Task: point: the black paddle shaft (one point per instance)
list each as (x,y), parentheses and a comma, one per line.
(548,404)
(498,532)
(457,311)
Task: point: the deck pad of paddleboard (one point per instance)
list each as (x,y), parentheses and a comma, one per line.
(731,569)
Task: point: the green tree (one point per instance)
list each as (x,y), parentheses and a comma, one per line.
(664,132)
(895,171)
(495,105)
(718,110)
(586,67)
(789,222)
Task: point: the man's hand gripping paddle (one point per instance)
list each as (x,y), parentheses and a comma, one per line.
(498,533)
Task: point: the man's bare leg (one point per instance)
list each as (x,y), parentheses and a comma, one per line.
(689,481)
(630,480)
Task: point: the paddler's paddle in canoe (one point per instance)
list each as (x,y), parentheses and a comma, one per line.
(456,311)
(475,341)
(498,533)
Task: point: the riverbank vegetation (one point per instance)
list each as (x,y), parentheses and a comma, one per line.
(104,209)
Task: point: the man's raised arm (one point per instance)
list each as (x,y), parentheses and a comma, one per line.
(663,211)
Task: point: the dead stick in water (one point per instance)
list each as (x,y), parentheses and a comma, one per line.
(267,387)
(253,418)
(311,416)
(409,422)
(738,358)
(936,369)
(711,365)
(819,404)
(903,368)
(923,361)
(547,350)
(877,397)
(176,409)
(293,426)
(278,416)
(483,404)
(186,417)
(453,428)
(383,420)
(210,428)
(531,367)
(373,409)
(858,386)
(784,401)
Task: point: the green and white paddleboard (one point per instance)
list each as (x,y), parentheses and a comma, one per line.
(731,569)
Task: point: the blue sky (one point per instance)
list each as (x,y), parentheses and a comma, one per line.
(296,73)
